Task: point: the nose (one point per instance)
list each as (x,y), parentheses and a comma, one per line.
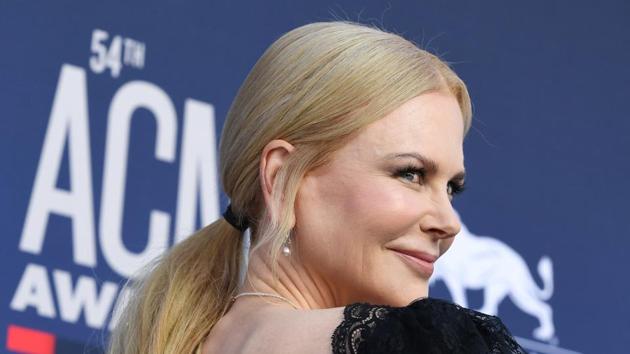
(442,220)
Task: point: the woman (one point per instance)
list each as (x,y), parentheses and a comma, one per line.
(341,155)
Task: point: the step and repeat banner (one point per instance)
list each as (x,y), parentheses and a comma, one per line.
(110,117)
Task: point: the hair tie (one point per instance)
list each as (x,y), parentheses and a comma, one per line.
(237,222)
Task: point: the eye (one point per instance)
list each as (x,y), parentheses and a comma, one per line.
(415,174)
(456,188)
(411,173)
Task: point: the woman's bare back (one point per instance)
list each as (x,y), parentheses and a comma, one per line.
(250,328)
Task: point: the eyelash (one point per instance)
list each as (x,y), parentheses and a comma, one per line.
(455,187)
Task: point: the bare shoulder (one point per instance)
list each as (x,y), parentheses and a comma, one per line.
(275,331)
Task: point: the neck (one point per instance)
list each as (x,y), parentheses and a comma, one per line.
(299,285)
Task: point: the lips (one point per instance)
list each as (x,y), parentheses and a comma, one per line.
(421,262)
(427,257)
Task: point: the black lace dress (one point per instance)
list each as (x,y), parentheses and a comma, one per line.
(427,325)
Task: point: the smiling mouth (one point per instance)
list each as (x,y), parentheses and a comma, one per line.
(424,265)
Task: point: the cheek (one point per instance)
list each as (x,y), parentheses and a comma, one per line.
(385,209)
(344,226)
(368,212)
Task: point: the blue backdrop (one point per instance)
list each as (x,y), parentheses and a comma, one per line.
(111,112)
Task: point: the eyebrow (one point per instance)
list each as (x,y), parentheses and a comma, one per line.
(430,165)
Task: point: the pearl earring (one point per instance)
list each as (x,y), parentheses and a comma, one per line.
(286,247)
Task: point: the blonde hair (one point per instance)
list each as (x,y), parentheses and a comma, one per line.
(314,87)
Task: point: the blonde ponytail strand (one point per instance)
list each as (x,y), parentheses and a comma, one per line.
(184,295)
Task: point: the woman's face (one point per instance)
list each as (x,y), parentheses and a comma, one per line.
(353,213)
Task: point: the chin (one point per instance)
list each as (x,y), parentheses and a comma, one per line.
(406,295)
(410,286)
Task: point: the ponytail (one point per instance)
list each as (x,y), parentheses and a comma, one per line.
(174,307)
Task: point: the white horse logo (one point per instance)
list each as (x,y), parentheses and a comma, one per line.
(480,262)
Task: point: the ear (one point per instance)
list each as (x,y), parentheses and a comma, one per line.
(273,156)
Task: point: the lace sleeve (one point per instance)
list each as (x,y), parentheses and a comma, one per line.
(425,326)
(359,322)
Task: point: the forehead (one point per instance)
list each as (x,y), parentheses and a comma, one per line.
(430,124)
